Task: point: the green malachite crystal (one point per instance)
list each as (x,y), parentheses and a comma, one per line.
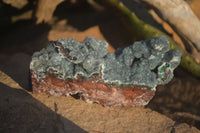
(144,63)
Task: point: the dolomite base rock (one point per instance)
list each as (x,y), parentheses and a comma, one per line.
(94,90)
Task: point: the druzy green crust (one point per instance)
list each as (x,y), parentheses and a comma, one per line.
(144,63)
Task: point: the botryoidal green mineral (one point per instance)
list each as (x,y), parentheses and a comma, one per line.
(144,63)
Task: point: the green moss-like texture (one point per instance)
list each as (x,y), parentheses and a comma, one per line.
(144,63)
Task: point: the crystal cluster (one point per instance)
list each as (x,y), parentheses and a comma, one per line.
(127,77)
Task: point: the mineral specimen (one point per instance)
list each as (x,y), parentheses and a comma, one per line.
(127,77)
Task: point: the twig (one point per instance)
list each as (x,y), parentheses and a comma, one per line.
(188,115)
